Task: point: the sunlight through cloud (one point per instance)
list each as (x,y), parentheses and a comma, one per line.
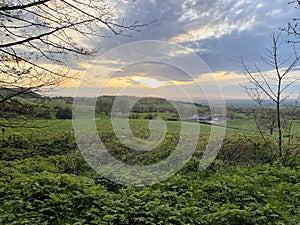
(149,82)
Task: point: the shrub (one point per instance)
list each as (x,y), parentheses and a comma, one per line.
(64,114)
(134,116)
(247,149)
(149,116)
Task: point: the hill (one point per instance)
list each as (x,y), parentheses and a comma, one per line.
(18,92)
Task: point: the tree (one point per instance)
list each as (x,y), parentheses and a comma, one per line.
(64,113)
(273,86)
(292,28)
(38,34)
(123,106)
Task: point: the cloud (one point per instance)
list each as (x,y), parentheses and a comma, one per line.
(218,18)
(224,78)
(219,31)
(154,70)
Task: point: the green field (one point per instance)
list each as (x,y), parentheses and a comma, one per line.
(104,125)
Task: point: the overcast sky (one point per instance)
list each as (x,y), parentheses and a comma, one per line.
(220,32)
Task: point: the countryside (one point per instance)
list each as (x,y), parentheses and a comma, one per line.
(149,112)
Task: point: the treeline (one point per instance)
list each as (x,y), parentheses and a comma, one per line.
(61,107)
(41,108)
(104,104)
(248,112)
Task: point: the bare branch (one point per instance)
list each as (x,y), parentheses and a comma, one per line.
(260,83)
(256,82)
(17,7)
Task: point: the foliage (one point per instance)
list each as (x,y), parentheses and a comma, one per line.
(64,113)
(150,116)
(28,108)
(248,149)
(16,146)
(146,105)
(45,180)
(134,116)
(43,194)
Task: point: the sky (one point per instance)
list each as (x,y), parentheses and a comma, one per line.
(192,47)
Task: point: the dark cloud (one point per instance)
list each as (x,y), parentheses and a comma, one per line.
(159,71)
(225,53)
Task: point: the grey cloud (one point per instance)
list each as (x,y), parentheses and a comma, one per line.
(225,53)
(220,53)
(159,71)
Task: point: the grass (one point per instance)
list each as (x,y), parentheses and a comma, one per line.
(241,126)
(104,125)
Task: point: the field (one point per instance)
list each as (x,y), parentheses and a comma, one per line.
(45,180)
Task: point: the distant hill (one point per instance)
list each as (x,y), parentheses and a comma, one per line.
(145,104)
(252,103)
(19,92)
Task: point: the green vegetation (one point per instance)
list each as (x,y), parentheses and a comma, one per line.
(45,180)
(39,191)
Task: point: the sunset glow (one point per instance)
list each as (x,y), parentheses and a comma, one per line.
(149,82)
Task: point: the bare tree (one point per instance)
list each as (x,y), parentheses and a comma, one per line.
(273,86)
(292,28)
(35,35)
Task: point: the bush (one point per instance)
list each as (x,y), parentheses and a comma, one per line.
(173,119)
(25,146)
(134,116)
(150,116)
(64,114)
(247,149)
